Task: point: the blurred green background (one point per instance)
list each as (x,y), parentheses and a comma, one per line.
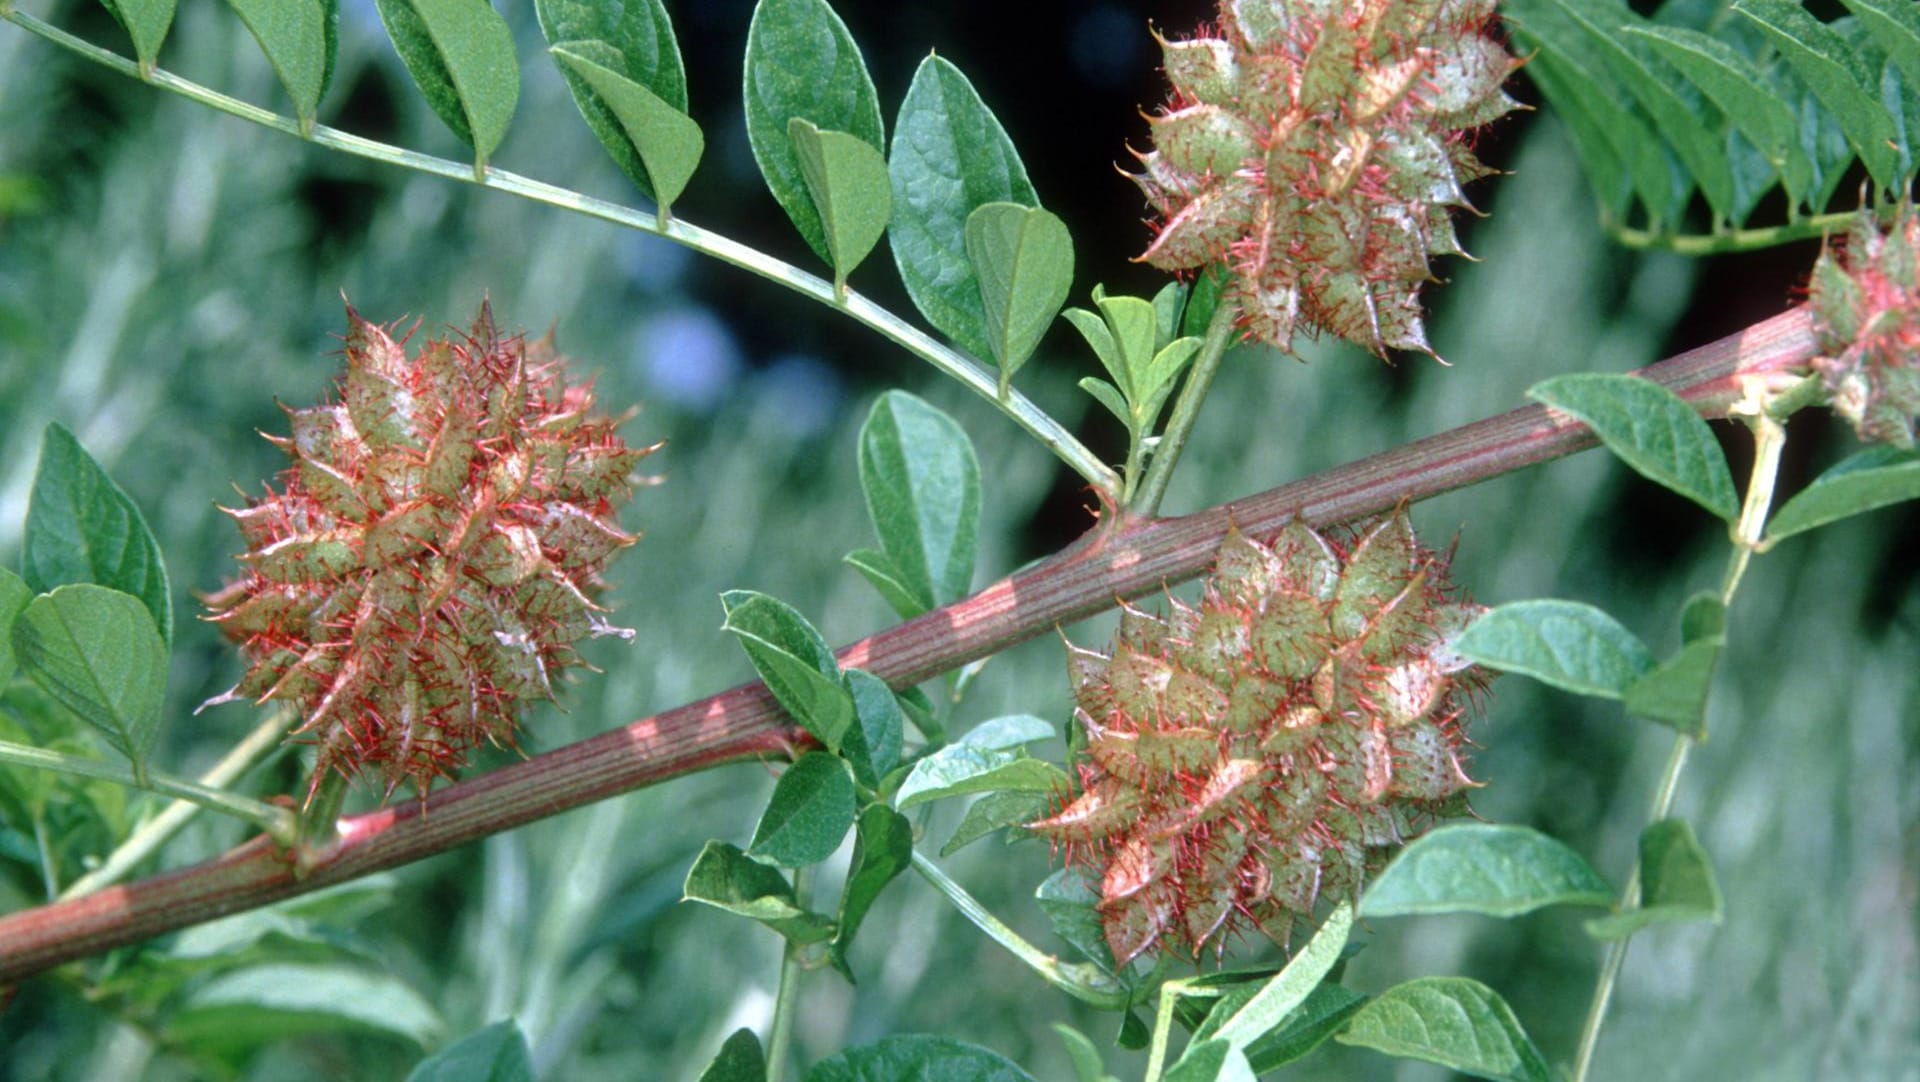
(167,273)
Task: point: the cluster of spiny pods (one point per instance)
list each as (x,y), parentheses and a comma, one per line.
(432,553)
(1253,754)
(1318,149)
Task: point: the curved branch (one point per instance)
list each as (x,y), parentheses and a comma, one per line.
(1125,559)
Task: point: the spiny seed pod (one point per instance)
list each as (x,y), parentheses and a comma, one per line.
(1318,147)
(432,554)
(1251,756)
(1865,299)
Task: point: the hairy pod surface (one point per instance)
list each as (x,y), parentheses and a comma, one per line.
(1318,149)
(1263,751)
(1865,296)
(432,553)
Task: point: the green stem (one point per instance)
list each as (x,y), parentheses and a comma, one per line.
(155,832)
(49,875)
(780,1033)
(1186,409)
(1770,438)
(1082,982)
(277,822)
(1170,994)
(1629,898)
(968,371)
(1739,240)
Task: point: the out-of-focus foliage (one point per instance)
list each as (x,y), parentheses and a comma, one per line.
(169,271)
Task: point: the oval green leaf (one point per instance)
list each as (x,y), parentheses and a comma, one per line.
(634,40)
(1676,883)
(1071,904)
(1838,76)
(1453,1021)
(293,34)
(996,811)
(1323,1014)
(872,743)
(146,22)
(667,140)
(96,651)
(794,661)
(917,1056)
(460,54)
(882,849)
(14,596)
(1289,988)
(1023,259)
(802,62)
(1652,430)
(1211,1061)
(950,155)
(1675,694)
(1009,731)
(724,877)
(1872,479)
(740,1060)
(1895,27)
(1501,871)
(82,528)
(809,814)
(958,769)
(922,484)
(847,179)
(260,1004)
(1732,81)
(1568,644)
(1691,130)
(497,1053)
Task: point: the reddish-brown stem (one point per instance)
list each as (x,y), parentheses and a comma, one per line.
(1122,560)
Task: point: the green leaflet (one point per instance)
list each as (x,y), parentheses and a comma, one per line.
(1650,429)
(1843,80)
(950,156)
(1452,1021)
(922,485)
(1023,259)
(882,849)
(802,62)
(299,43)
(809,814)
(725,878)
(291,999)
(1676,883)
(146,22)
(81,527)
(497,1053)
(667,141)
(917,1056)
(847,179)
(740,1060)
(634,41)
(1501,871)
(96,651)
(794,661)
(460,54)
(1570,645)
(1875,478)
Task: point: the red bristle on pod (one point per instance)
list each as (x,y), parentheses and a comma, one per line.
(1268,749)
(432,554)
(1318,149)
